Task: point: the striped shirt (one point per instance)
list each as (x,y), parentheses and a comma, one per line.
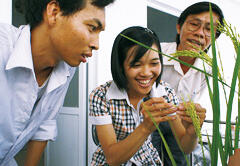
(109,105)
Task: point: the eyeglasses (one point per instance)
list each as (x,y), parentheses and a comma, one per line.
(194,25)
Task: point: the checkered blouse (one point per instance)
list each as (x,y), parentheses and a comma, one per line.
(109,105)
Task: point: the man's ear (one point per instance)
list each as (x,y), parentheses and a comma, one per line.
(178,27)
(52,11)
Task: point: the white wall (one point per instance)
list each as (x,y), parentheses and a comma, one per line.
(6,11)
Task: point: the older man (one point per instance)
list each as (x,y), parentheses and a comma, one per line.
(193,31)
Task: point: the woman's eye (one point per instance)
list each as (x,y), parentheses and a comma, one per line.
(136,65)
(155,63)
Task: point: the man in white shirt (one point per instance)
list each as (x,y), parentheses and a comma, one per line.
(37,63)
(193,29)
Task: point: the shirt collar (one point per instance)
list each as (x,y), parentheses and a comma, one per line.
(168,49)
(21,55)
(58,76)
(115,93)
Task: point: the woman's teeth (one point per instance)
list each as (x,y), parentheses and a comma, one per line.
(144,81)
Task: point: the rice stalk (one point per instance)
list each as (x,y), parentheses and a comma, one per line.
(191,111)
(161,135)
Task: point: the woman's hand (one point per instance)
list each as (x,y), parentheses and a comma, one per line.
(159,110)
(186,119)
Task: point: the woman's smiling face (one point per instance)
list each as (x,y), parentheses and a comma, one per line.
(142,74)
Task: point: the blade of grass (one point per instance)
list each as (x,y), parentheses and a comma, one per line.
(237,118)
(179,145)
(221,151)
(163,139)
(208,85)
(230,142)
(230,103)
(237,129)
(216,100)
(221,65)
(209,144)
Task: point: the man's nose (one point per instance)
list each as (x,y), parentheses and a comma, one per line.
(200,31)
(94,44)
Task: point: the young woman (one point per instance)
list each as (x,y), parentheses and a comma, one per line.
(119,113)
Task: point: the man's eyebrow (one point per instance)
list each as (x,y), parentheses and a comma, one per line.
(195,18)
(100,26)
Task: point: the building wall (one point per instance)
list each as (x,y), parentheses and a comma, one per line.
(6,11)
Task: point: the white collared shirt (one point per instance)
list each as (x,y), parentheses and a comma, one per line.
(189,85)
(19,123)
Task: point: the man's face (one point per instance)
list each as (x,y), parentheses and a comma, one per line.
(195,31)
(74,37)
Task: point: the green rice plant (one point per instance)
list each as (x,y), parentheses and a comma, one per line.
(222,77)
(230,103)
(191,111)
(164,141)
(199,53)
(231,32)
(237,128)
(161,135)
(194,54)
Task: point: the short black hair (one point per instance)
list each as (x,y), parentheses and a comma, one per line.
(122,45)
(33,9)
(198,8)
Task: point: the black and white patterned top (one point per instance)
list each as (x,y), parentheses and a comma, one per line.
(109,105)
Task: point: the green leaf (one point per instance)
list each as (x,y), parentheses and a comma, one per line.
(208,85)
(209,144)
(221,151)
(230,103)
(179,144)
(216,100)
(237,129)
(163,139)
